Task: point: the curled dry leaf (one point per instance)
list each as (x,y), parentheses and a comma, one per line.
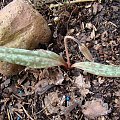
(89,25)
(99,69)
(95,108)
(79,81)
(52,103)
(97,8)
(85,51)
(92,35)
(82,85)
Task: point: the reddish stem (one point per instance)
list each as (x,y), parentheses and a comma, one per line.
(66,48)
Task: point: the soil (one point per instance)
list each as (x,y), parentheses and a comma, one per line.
(27,95)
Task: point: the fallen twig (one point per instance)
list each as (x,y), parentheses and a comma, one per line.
(27,113)
(69,2)
(9,116)
(18,114)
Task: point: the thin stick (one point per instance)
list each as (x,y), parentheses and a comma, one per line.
(45,107)
(27,113)
(8,113)
(18,115)
(81,117)
(69,2)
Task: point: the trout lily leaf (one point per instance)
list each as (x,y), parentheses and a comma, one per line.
(34,59)
(99,69)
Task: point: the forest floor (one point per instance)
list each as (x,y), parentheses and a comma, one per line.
(60,94)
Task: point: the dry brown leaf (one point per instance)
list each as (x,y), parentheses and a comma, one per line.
(117,93)
(84,92)
(55,76)
(95,108)
(92,35)
(85,51)
(104,35)
(80,82)
(115,8)
(96,8)
(48,79)
(41,86)
(52,103)
(82,85)
(57,117)
(89,25)
(5,83)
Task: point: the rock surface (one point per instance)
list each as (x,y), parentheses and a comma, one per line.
(23,27)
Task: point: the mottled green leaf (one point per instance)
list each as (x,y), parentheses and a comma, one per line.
(33,59)
(99,69)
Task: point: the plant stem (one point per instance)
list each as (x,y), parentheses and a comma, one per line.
(66,48)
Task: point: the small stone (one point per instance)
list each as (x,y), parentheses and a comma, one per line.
(23,27)
(56,19)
